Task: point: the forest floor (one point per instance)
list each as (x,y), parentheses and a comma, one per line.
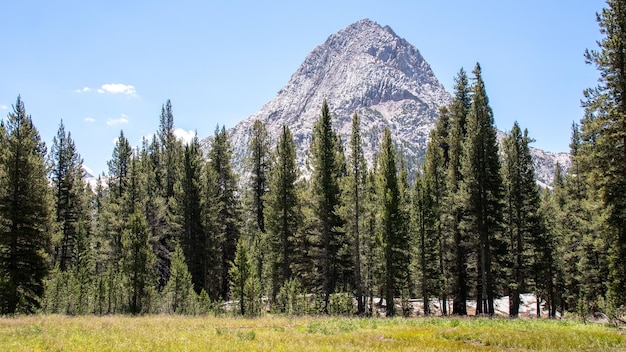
(280,333)
(527,309)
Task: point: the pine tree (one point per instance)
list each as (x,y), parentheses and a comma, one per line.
(408,286)
(283,211)
(258,164)
(170,151)
(305,248)
(481,189)
(138,264)
(193,239)
(584,246)
(424,230)
(25,212)
(604,138)
(222,214)
(240,273)
(394,237)
(457,258)
(119,166)
(429,213)
(569,225)
(522,217)
(114,216)
(156,207)
(66,174)
(353,191)
(178,294)
(550,284)
(73,251)
(326,159)
(372,248)
(164,221)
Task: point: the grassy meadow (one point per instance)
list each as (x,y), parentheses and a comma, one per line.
(178,333)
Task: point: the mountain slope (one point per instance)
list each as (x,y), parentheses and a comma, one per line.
(363,68)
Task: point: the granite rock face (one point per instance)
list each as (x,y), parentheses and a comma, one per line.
(367,69)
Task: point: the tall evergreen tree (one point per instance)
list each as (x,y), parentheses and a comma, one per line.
(119,166)
(404,219)
(138,264)
(583,227)
(170,150)
(457,258)
(258,164)
(72,238)
(222,213)
(429,213)
(522,216)
(66,175)
(25,212)
(156,206)
(550,284)
(570,196)
(482,194)
(394,238)
(424,219)
(164,222)
(193,238)
(283,211)
(373,254)
(353,209)
(326,159)
(604,138)
(116,209)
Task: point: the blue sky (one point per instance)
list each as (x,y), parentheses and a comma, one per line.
(103,66)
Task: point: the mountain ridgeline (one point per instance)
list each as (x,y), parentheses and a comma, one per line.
(367,69)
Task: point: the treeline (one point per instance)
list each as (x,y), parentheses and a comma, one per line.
(173,229)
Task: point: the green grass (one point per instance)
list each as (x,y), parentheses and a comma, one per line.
(174,333)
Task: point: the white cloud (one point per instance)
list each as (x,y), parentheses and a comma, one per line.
(88,170)
(4,107)
(122,120)
(118,88)
(185,136)
(89,119)
(82,90)
(147,137)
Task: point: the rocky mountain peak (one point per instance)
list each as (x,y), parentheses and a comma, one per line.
(363,68)
(364,64)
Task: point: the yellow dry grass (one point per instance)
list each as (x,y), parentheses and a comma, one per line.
(277,333)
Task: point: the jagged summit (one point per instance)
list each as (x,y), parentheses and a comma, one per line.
(363,68)
(369,65)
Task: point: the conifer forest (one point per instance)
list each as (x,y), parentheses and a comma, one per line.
(172,228)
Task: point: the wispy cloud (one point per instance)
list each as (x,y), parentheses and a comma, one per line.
(118,88)
(89,119)
(82,90)
(122,120)
(4,107)
(112,88)
(185,136)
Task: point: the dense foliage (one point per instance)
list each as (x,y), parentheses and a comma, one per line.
(172,228)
